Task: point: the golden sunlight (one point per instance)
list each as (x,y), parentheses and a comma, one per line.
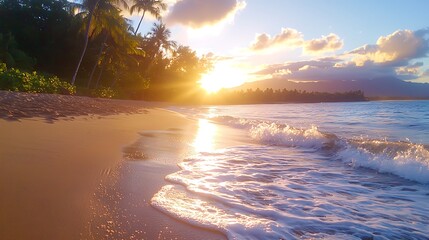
(223,76)
(204,31)
(205,136)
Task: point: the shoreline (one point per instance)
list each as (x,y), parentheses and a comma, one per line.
(70,177)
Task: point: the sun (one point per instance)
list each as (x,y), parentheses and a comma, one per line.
(223,76)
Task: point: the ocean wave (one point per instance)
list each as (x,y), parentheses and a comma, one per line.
(207,213)
(316,177)
(264,192)
(405,159)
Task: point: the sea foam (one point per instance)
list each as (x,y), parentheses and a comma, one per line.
(267,192)
(407,160)
(330,171)
(404,159)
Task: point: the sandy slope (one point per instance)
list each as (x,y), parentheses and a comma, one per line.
(67,178)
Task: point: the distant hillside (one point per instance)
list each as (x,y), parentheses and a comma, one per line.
(378,87)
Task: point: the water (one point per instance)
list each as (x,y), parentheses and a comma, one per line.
(309,171)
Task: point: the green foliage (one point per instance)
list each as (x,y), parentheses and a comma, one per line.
(48,36)
(153,7)
(105,92)
(11,55)
(3,67)
(45,31)
(17,80)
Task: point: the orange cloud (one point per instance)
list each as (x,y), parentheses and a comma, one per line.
(413,69)
(288,37)
(292,38)
(392,57)
(328,43)
(402,45)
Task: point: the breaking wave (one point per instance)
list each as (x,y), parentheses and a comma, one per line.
(405,159)
(310,172)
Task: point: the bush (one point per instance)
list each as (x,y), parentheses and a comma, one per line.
(105,92)
(2,67)
(16,80)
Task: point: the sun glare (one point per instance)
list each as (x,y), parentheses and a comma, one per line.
(205,136)
(204,31)
(223,76)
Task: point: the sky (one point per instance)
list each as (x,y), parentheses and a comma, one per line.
(303,40)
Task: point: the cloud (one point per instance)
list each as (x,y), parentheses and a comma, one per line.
(288,37)
(392,56)
(199,13)
(292,38)
(217,58)
(396,48)
(327,69)
(336,69)
(412,69)
(328,43)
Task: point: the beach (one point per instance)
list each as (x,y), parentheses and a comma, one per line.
(85,168)
(70,168)
(206,120)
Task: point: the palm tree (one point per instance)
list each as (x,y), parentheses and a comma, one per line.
(110,25)
(98,59)
(91,6)
(120,52)
(154,7)
(155,44)
(159,35)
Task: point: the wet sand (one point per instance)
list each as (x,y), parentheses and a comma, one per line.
(84,175)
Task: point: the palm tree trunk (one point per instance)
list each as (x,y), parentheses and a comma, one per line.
(99,75)
(113,83)
(98,58)
(141,19)
(91,13)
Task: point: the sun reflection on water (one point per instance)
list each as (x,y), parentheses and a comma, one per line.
(211,112)
(204,141)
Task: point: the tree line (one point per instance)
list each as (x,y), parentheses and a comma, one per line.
(92,46)
(258,96)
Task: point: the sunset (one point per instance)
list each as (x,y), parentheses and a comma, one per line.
(309,41)
(214,119)
(223,75)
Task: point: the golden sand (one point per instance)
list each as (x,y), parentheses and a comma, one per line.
(70,179)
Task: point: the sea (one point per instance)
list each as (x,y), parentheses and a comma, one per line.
(356,170)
